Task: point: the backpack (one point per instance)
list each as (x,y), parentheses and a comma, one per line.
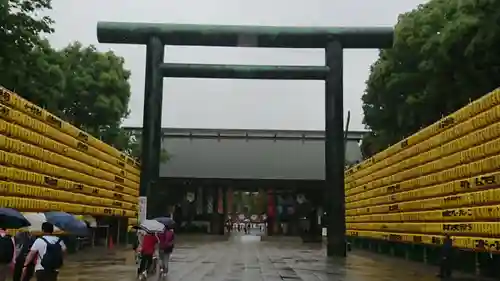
(166,239)
(170,238)
(162,240)
(7,249)
(53,258)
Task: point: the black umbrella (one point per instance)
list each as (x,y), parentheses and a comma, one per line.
(12,219)
(165,221)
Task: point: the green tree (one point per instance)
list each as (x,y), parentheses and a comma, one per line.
(118,137)
(39,78)
(20,27)
(85,87)
(97,91)
(25,59)
(133,146)
(88,88)
(445,54)
(369,145)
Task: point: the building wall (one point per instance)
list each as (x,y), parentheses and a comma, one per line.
(248,158)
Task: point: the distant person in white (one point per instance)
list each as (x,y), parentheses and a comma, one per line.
(39,251)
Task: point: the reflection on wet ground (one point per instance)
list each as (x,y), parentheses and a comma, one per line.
(246,258)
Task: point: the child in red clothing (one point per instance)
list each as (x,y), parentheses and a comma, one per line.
(147,249)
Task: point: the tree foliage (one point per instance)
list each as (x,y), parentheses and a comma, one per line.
(38,77)
(20,28)
(21,47)
(134,148)
(445,54)
(97,88)
(85,87)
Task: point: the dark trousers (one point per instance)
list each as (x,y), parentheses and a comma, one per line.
(445,267)
(490,269)
(146,261)
(18,271)
(42,275)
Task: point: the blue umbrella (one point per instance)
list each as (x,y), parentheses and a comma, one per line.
(165,220)
(67,223)
(12,219)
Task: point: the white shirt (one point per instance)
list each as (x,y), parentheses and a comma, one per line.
(41,247)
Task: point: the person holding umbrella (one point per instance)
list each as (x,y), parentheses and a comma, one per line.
(9,219)
(146,250)
(49,251)
(445,268)
(24,242)
(7,253)
(147,246)
(166,243)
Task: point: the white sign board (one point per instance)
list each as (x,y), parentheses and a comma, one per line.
(143,206)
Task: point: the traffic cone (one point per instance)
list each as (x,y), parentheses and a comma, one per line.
(111,245)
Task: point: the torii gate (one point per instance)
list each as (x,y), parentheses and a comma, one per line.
(332,39)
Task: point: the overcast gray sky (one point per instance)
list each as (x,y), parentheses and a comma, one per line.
(249,104)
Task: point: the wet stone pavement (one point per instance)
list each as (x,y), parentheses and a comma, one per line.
(246,258)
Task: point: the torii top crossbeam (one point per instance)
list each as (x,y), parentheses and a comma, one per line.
(245,36)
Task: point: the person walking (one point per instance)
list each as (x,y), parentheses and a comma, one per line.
(7,253)
(146,249)
(24,242)
(49,251)
(166,248)
(489,265)
(445,268)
